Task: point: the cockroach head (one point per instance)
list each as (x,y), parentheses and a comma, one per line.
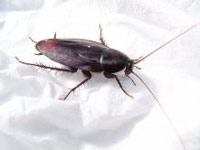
(130,66)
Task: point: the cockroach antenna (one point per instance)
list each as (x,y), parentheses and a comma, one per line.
(32,40)
(163,45)
(151,92)
(162,108)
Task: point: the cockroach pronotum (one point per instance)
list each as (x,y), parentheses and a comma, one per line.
(91,56)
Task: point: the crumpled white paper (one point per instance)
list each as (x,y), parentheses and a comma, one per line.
(99,115)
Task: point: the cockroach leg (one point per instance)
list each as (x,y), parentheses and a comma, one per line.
(137,67)
(88,76)
(38,54)
(72,69)
(110,76)
(32,40)
(101,36)
(131,80)
(44,67)
(54,35)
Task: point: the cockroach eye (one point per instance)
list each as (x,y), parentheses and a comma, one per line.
(129,67)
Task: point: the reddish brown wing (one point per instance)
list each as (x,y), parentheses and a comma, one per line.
(76,53)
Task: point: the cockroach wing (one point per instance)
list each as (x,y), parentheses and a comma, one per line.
(75,53)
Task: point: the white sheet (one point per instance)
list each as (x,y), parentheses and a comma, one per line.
(99,115)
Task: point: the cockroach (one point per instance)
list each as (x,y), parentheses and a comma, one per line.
(91,56)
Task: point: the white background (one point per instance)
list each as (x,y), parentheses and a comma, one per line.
(99,115)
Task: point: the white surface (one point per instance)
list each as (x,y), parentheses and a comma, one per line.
(99,116)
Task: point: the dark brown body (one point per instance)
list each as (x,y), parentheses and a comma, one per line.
(83,54)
